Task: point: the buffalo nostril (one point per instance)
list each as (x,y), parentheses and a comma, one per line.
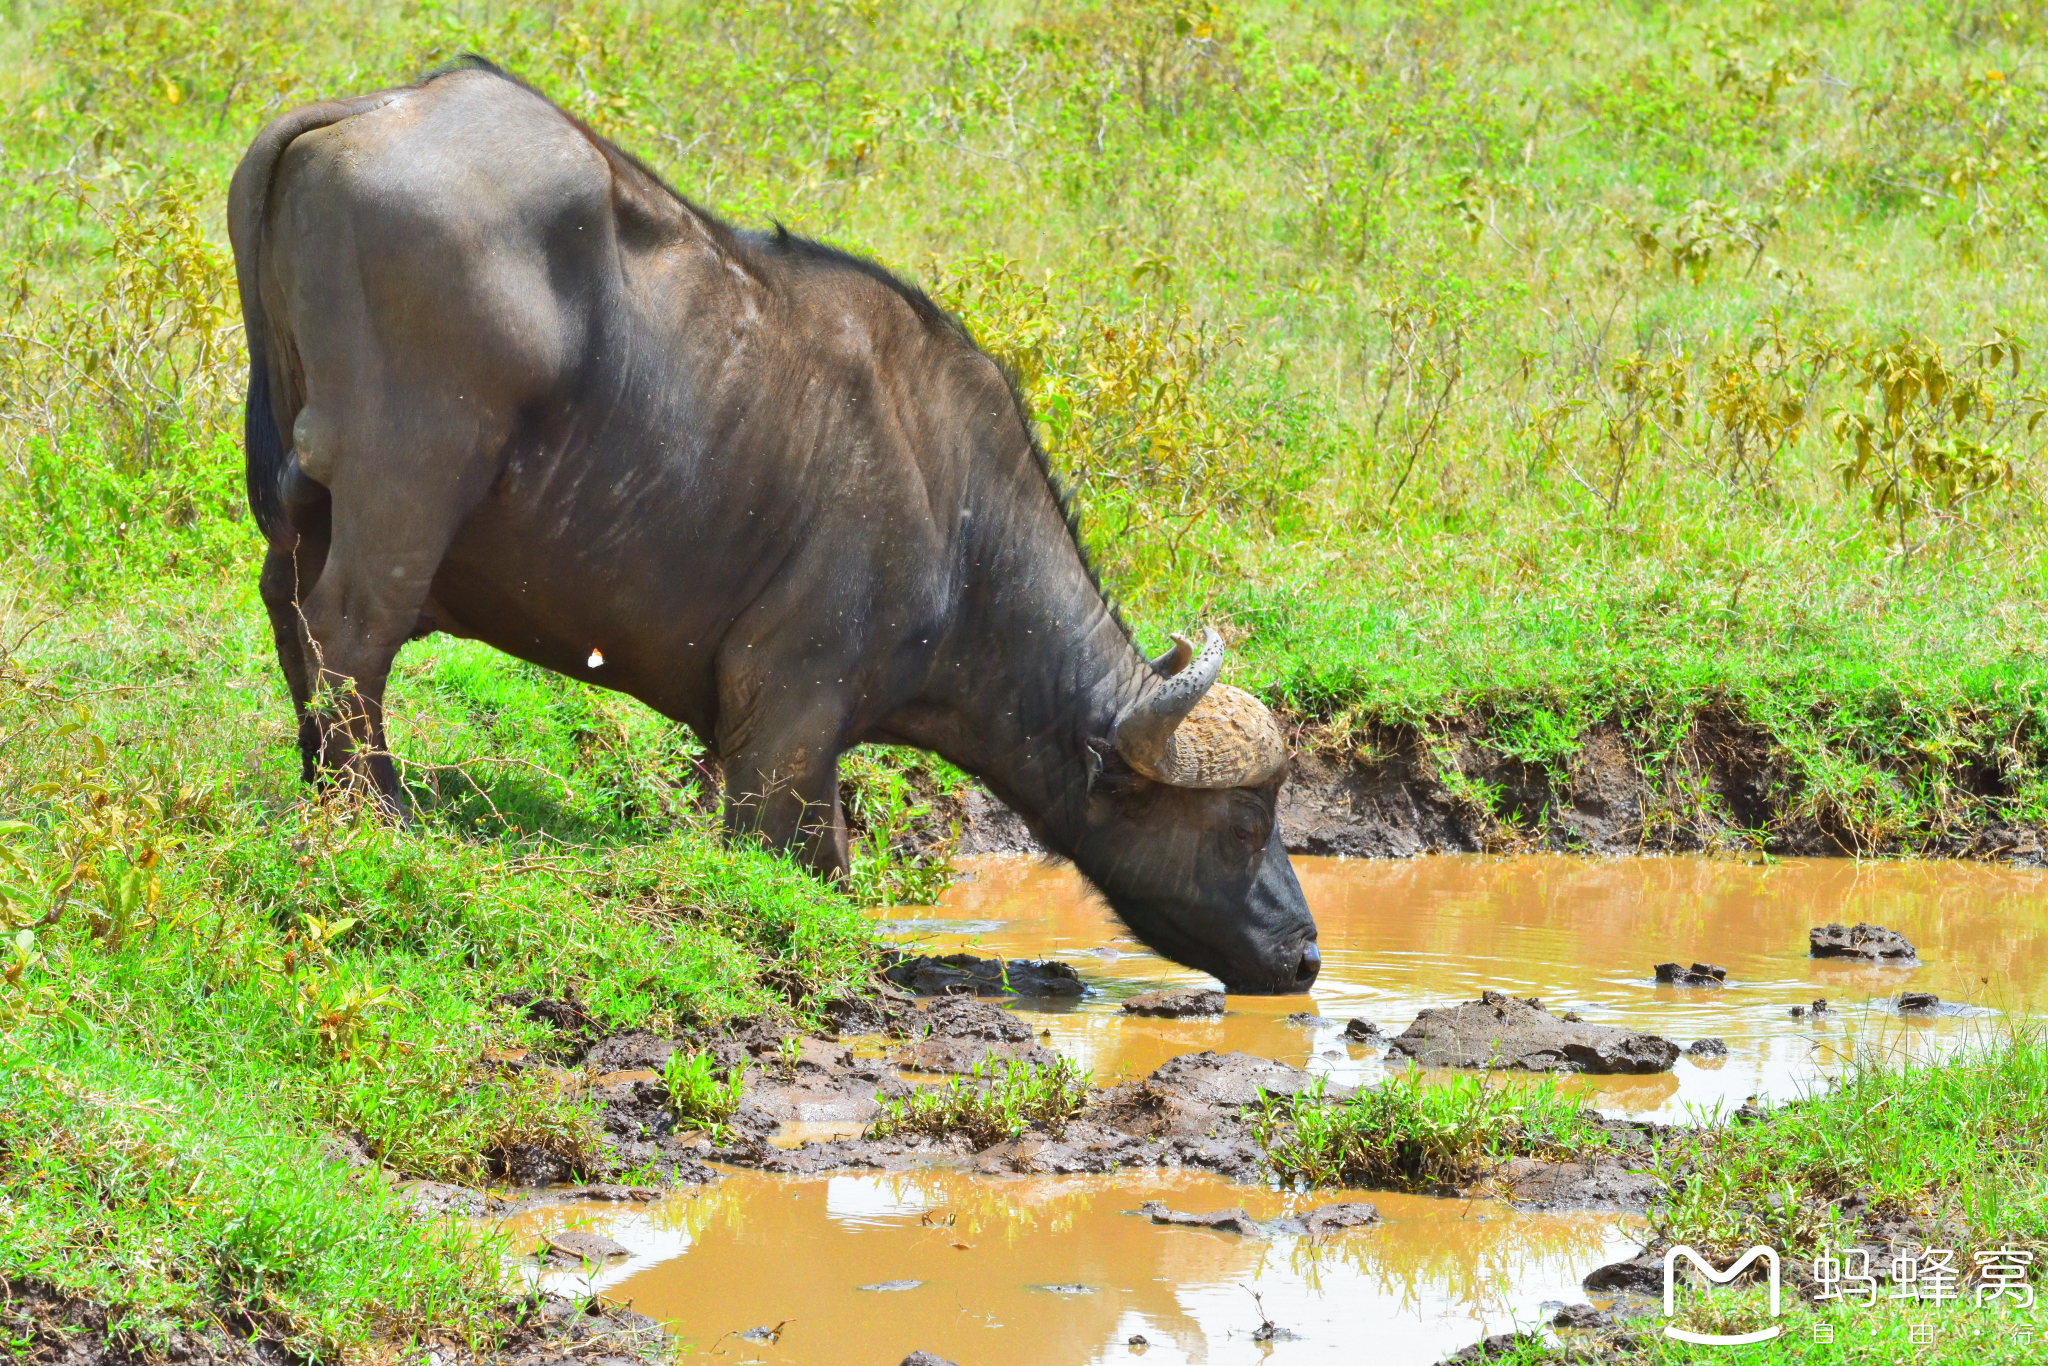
(1305,972)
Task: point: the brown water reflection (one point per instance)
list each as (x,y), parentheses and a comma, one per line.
(1040,1271)
(1582,934)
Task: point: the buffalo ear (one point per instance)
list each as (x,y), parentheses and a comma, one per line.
(1108,770)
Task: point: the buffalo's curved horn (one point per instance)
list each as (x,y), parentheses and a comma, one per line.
(1188,732)
(1175,659)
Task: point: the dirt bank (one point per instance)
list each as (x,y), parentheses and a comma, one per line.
(1396,791)
(49,1327)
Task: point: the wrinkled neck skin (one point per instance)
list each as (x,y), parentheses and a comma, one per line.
(1020,715)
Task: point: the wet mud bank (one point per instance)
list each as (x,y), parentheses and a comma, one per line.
(1877,1235)
(1137,1143)
(1396,792)
(809,1104)
(53,1328)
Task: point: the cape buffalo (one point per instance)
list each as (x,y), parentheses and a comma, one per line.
(505,383)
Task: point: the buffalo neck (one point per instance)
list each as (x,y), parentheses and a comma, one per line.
(1035,667)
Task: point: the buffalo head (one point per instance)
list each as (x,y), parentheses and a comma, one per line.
(1181,833)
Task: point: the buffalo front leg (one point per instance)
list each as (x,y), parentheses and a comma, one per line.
(783,790)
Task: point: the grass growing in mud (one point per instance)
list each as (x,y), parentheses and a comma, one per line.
(999,1100)
(1958,1148)
(697,1095)
(1965,1140)
(1407,1135)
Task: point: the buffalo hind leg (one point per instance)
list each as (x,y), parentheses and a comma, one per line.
(391,522)
(352,653)
(288,575)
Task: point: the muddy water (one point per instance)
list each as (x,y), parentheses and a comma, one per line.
(992,1271)
(1046,1272)
(1580,934)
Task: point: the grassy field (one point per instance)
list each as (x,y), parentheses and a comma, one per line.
(1524,367)
(1530,365)
(205,971)
(1952,1156)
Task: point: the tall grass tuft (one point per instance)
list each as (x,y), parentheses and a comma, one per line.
(999,1100)
(1407,1135)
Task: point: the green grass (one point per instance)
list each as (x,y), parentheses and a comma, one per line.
(1965,1138)
(180,1202)
(999,1100)
(696,1094)
(1878,1336)
(1407,1135)
(215,967)
(1961,1145)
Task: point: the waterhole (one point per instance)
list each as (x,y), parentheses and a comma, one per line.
(1579,934)
(864,1269)
(986,1271)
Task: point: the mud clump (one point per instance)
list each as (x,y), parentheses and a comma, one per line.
(430,1199)
(922,1358)
(1187,1113)
(577,1247)
(1324,1220)
(1707,1048)
(1602,1183)
(1918,1002)
(1698,975)
(638,1132)
(1642,1274)
(576,1026)
(866,1014)
(1868,943)
(804,1080)
(963,974)
(1175,1005)
(955,1034)
(1226,1082)
(1363,1031)
(634,1050)
(1320,1222)
(1499,1031)
(1233,1220)
(529,1164)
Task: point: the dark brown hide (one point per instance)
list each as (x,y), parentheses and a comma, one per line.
(504,383)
